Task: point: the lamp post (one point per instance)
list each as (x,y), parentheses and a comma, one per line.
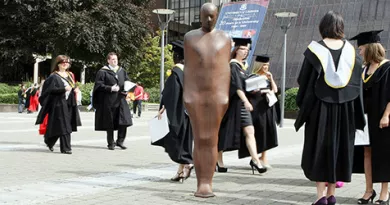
(285,27)
(163,26)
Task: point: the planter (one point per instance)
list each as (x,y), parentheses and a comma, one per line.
(290,114)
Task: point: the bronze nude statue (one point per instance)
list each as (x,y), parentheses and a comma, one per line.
(206,92)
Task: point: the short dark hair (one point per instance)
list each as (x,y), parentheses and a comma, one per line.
(332,25)
(111,54)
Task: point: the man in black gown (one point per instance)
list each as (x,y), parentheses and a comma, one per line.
(109,100)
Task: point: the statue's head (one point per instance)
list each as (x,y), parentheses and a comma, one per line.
(208,16)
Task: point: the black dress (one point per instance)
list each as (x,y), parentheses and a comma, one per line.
(178,142)
(376,97)
(331,117)
(236,116)
(264,121)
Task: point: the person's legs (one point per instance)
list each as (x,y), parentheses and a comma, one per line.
(110,140)
(65,146)
(179,175)
(368,174)
(122,130)
(51,141)
(321,197)
(135,106)
(250,141)
(139,108)
(384,196)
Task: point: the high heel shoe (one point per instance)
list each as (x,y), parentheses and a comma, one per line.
(365,201)
(322,201)
(187,171)
(255,166)
(331,200)
(383,202)
(221,169)
(177,177)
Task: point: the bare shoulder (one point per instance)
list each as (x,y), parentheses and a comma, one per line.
(191,34)
(222,35)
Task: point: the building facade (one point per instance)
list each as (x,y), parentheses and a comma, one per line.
(359,16)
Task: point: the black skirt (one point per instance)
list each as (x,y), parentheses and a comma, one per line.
(329,142)
(246,117)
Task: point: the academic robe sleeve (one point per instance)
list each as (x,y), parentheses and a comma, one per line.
(360,120)
(236,81)
(172,101)
(99,82)
(305,98)
(303,81)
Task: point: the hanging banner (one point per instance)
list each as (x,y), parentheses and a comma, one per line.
(243,20)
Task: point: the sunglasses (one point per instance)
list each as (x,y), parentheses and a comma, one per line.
(64,62)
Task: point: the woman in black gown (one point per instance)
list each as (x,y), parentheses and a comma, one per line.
(330,105)
(238,117)
(178,142)
(376,95)
(263,115)
(59,103)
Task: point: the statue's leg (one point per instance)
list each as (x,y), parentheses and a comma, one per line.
(205,121)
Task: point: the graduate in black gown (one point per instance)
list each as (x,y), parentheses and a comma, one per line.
(59,103)
(373,159)
(330,105)
(236,126)
(109,100)
(178,142)
(264,116)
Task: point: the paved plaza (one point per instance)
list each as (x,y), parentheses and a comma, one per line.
(31,174)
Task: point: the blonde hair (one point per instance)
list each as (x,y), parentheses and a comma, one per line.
(374,52)
(257,67)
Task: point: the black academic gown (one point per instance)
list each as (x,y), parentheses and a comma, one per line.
(112,109)
(264,121)
(63,114)
(376,98)
(331,117)
(178,142)
(230,130)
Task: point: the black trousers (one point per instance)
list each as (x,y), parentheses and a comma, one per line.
(64,142)
(122,130)
(137,104)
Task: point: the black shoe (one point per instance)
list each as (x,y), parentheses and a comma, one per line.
(221,169)
(111,147)
(121,146)
(260,170)
(67,152)
(50,148)
(383,202)
(365,201)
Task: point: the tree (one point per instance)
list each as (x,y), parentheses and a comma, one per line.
(85,30)
(147,69)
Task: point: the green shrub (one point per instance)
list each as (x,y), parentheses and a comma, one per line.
(7,89)
(154,95)
(85,91)
(291,95)
(11,98)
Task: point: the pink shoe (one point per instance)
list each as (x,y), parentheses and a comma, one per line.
(339,184)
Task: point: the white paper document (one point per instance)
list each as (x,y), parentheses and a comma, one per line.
(158,129)
(254,83)
(128,85)
(362,137)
